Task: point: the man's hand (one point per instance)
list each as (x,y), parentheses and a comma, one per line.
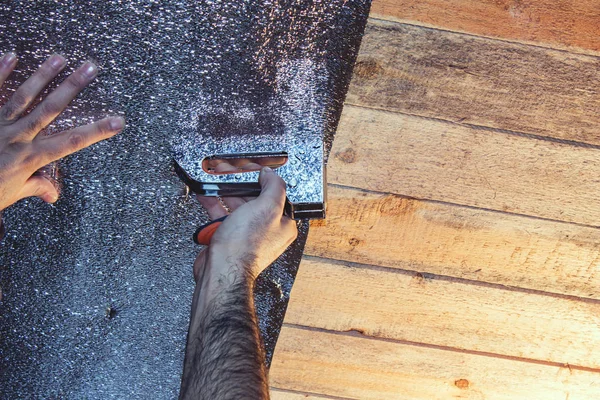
(255,233)
(23,150)
(224,356)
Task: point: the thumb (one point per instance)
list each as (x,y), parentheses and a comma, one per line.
(273,187)
(39,186)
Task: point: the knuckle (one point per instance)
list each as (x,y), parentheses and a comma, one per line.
(8,112)
(50,108)
(12,108)
(77,81)
(46,72)
(32,125)
(77,141)
(19,99)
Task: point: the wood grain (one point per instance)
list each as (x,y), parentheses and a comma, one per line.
(449,240)
(359,368)
(478,81)
(573,25)
(277,394)
(425,309)
(431,159)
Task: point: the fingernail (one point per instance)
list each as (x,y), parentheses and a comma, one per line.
(267,169)
(8,59)
(89,70)
(57,61)
(116,123)
(53,198)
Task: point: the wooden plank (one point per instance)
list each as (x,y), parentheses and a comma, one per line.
(436,160)
(478,81)
(443,239)
(361,368)
(410,307)
(573,24)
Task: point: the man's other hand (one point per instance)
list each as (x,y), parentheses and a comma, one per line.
(23,150)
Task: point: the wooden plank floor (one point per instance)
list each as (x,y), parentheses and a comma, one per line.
(461,254)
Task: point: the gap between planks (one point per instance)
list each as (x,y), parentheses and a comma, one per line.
(425,158)
(477,127)
(538,22)
(419,309)
(354,333)
(448,278)
(481,81)
(361,368)
(477,245)
(289,394)
(448,203)
(540,45)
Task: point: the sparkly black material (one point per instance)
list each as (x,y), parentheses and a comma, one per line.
(97,289)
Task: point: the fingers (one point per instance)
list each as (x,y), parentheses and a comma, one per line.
(7,64)
(273,188)
(28,91)
(62,144)
(273,191)
(222,167)
(250,167)
(225,168)
(40,187)
(58,100)
(234,202)
(213,206)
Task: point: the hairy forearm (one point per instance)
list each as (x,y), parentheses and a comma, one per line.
(224,355)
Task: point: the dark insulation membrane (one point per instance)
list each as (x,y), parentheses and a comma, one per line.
(97,288)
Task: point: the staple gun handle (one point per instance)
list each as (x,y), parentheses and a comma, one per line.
(204,234)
